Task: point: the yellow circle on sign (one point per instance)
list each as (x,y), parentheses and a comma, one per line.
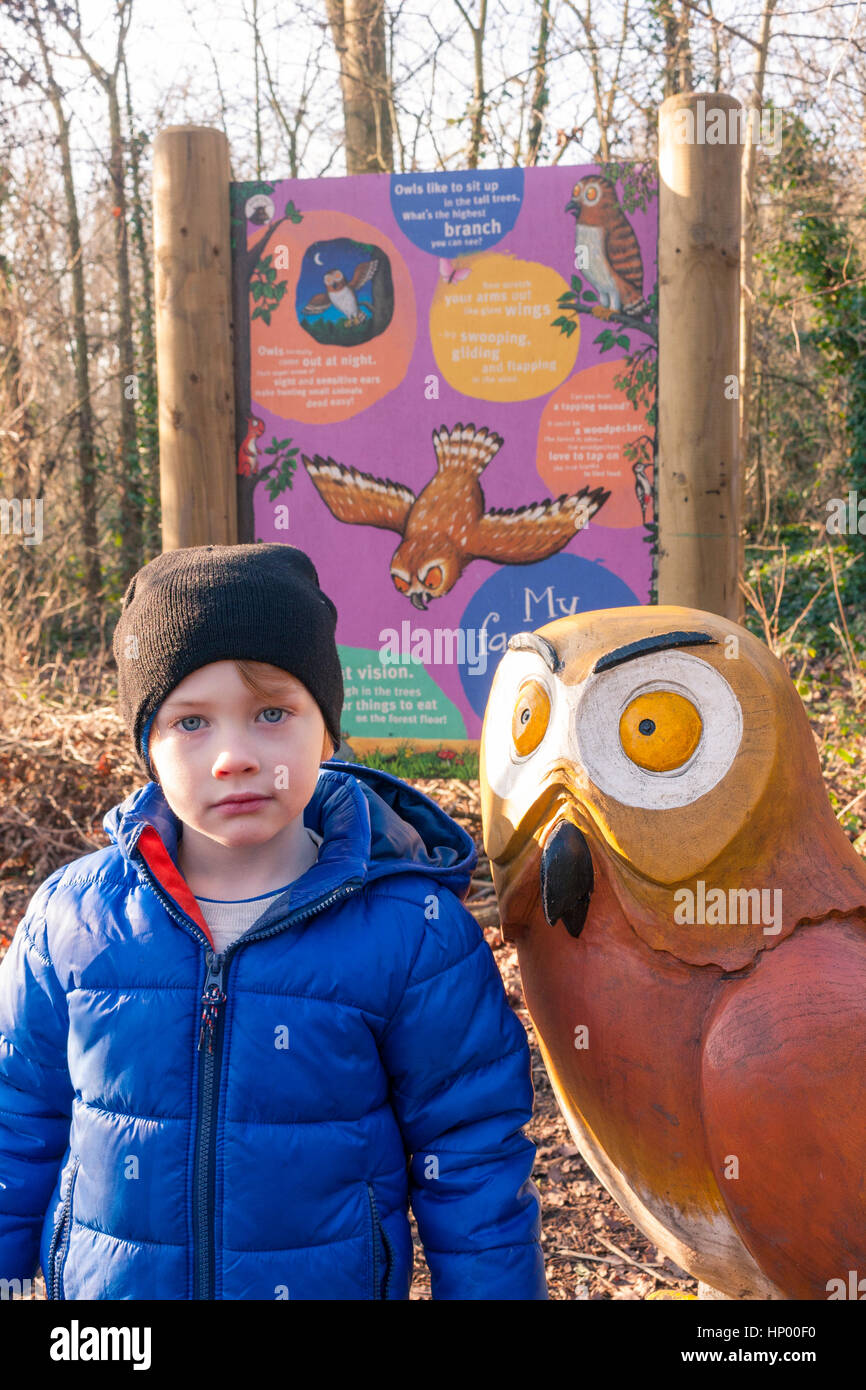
(660,730)
(492,332)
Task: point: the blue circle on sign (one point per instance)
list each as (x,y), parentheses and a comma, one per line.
(450,214)
(554,588)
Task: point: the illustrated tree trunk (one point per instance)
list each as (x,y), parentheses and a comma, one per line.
(244,264)
(358,28)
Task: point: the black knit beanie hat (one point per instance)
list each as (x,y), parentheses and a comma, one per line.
(208,603)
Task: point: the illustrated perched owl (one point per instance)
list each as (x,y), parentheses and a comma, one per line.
(341,292)
(606,247)
(690,922)
(446,526)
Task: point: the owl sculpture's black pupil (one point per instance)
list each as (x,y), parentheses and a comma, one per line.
(524,716)
(647,726)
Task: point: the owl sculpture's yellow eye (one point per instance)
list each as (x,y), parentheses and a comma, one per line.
(433,578)
(660,730)
(531,716)
(401,583)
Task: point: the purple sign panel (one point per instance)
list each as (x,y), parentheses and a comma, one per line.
(446,392)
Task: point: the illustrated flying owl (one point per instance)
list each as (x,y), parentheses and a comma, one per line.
(446,526)
(606,247)
(689,920)
(341,292)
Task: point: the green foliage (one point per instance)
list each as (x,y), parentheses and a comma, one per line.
(283,462)
(815,265)
(807,568)
(433,762)
(338,332)
(266,290)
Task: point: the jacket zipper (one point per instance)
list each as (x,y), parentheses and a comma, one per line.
(378,1229)
(211,1031)
(55,1256)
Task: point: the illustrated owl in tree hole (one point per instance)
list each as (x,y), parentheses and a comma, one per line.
(690,923)
(446,526)
(606,246)
(342,292)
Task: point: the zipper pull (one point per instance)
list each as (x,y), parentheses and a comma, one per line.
(213,996)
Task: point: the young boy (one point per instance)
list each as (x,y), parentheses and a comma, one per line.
(238,1040)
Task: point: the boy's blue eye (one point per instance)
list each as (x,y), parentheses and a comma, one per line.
(272,709)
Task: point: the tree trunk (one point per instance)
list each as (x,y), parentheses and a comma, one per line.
(358,27)
(747,234)
(16,423)
(131,497)
(147,397)
(86,446)
(540,96)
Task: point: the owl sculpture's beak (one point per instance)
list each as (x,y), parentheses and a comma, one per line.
(417,601)
(566,878)
(572,206)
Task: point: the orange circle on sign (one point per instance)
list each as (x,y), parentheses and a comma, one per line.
(319,383)
(585,429)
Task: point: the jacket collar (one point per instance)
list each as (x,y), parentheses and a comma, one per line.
(372,825)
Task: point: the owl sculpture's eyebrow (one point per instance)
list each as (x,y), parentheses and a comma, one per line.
(651,644)
(531,642)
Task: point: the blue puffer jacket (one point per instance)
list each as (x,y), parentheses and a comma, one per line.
(180,1125)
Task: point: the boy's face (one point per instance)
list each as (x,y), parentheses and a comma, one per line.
(213,738)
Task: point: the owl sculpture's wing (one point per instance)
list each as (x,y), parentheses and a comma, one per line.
(363,272)
(526,534)
(317,304)
(783,1058)
(360,498)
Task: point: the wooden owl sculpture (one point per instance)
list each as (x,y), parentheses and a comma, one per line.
(690,922)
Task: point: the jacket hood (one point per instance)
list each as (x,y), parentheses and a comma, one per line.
(372,824)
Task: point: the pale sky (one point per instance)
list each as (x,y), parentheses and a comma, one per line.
(171,67)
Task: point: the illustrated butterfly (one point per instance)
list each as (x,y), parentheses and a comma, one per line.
(451,273)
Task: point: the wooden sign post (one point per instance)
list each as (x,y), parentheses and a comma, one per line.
(194,337)
(699,479)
